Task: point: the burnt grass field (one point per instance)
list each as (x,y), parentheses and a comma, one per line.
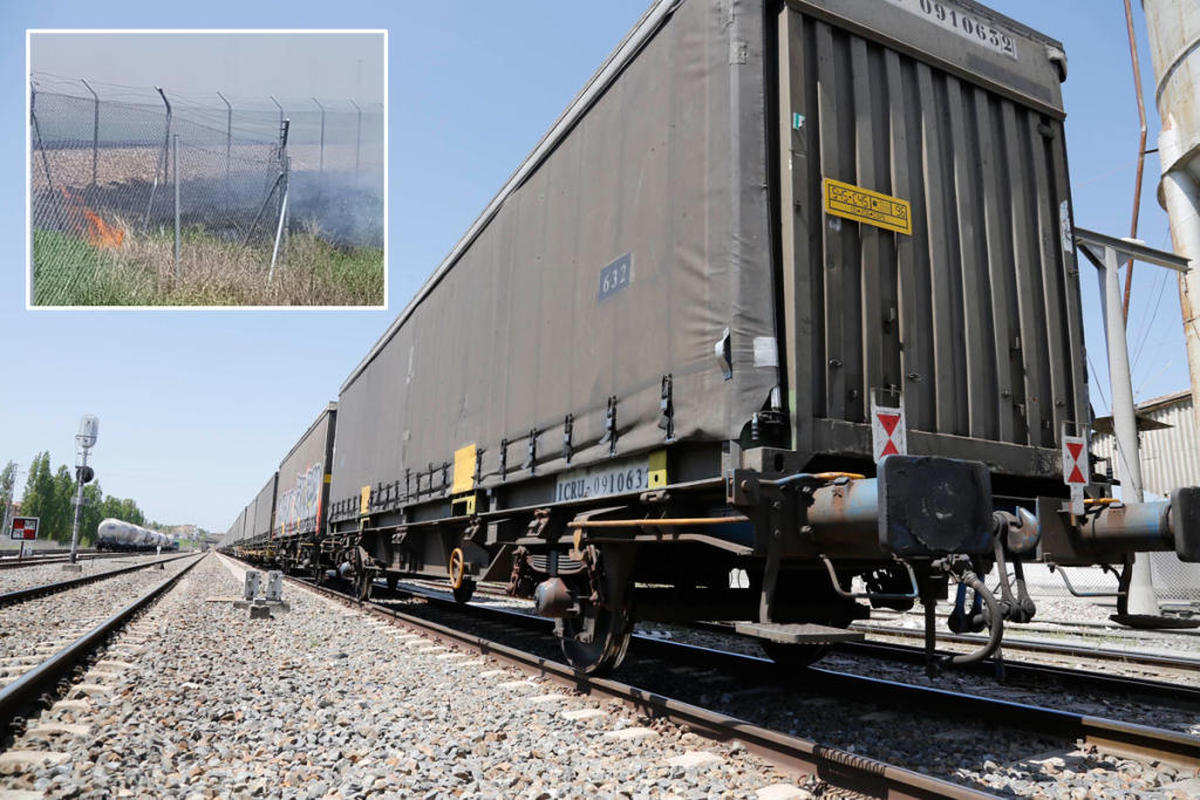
(112,243)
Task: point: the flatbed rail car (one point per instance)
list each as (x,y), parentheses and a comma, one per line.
(654,360)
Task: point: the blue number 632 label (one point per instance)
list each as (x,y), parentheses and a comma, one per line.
(615,276)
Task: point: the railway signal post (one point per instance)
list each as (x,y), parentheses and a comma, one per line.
(85,440)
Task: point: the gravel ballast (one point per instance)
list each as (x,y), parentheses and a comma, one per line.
(327,702)
(12,580)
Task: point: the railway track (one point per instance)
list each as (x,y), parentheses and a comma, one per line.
(21,595)
(39,561)
(852,772)
(1125,739)
(1037,676)
(846,770)
(35,686)
(1069,651)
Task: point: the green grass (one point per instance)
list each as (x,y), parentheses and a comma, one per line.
(68,271)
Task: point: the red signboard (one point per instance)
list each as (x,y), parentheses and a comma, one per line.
(24,528)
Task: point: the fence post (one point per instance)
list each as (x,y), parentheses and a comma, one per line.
(37,130)
(285,165)
(228,131)
(175,143)
(357,137)
(321,168)
(95,126)
(162,160)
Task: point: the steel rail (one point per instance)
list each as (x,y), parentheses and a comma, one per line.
(1113,736)
(1049,648)
(1029,673)
(848,771)
(37,561)
(30,690)
(21,595)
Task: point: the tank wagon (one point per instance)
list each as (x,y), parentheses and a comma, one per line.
(115,534)
(659,356)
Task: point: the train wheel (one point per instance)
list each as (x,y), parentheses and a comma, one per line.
(464,590)
(462,586)
(608,641)
(363,581)
(794,656)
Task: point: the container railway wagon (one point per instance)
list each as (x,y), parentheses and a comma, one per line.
(118,535)
(300,500)
(657,358)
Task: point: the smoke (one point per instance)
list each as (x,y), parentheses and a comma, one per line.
(347,210)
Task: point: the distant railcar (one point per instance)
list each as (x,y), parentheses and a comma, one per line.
(118,535)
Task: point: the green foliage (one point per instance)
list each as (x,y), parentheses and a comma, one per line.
(8,480)
(39,500)
(50,495)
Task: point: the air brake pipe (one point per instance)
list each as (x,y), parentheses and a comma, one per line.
(994,616)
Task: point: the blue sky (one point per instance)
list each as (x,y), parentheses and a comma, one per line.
(197,407)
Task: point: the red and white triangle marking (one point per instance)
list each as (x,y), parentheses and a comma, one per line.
(889,433)
(1074,460)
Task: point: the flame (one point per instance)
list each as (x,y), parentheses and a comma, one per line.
(99,233)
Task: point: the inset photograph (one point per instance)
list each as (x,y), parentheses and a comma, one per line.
(206,168)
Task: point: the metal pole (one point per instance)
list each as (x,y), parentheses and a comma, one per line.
(1141,590)
(37,133)
(278,233)
(78,508)
(1141,161)
(357,137)
(280,230)
(162,160)
(322,156)
(228,131)
(175,144)
(95,126)
(276,102)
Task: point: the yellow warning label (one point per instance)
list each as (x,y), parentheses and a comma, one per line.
(364,503)
(862,205)
(464,470)
(657,469)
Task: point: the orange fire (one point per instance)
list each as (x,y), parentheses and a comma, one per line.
(99,233)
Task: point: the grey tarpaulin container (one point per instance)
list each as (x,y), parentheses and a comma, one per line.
(263,510)
(235,530)
(302,493)
(671,224)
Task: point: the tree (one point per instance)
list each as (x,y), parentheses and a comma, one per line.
(39,498)
(50,496)
(89,518)
(64,507)
(8,480)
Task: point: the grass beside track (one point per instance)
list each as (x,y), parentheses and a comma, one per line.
(140,271)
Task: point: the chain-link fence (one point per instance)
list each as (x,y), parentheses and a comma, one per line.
(126,197)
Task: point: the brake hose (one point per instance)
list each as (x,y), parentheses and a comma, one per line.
(995,616)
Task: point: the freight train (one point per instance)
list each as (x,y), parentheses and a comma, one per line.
(788,292)
(115,534)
